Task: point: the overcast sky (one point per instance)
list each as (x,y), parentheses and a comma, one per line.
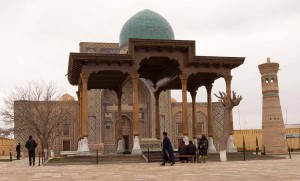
(36,37)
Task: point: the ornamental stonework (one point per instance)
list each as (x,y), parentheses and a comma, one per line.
(273,131)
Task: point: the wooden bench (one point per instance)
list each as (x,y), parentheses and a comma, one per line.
(189,157)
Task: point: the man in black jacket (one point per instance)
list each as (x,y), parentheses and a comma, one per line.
(31,145)
(18,149)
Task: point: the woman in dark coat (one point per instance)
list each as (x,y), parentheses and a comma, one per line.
(182,149)
(202,147)
(167,150)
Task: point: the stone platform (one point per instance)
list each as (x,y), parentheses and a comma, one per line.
(102,159)
(156,156)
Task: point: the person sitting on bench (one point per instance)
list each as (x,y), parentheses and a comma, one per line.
(191,149)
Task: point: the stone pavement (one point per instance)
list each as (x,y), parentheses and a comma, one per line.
(262,170)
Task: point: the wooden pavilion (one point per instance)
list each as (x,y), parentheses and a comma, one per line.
(168,64)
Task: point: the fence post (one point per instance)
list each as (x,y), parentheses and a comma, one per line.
(10,156)
(97,157)
(244,148)
(148,155)
(256,147)
(39,158)
(289,152)
(42,157)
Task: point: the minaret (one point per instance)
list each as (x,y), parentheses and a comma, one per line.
(273,131)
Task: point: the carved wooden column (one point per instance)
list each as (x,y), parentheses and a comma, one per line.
(209,110)
(136,145)
(119,96)
(185,122)
(79,129)
(157,121)
(84,78)
(194,123)
(228,79)
(211,146)
(230,143)
(79,114)
(84,149)
(135,92)
(120,148)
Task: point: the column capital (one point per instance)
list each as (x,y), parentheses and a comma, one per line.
(228,78)
(134,75)
(84,75)
(208,87)
(156,95)
(193,94)
(119,93)
(183,77)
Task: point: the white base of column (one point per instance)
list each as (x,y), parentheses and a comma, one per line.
(230,144)
(211,146)
(223,157)
(186,140)
(120,148)
(52,154)
(83,147)
(79,147)
(196,142)
(136,150)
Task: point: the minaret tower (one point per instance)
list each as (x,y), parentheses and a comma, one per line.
(273,131)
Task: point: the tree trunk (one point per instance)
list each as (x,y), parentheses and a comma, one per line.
(226,128)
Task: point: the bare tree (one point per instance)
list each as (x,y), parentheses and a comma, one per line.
(6,119)
(228,103)
(35,110)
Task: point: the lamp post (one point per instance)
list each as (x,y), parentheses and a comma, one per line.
(245,122)
(286,121)
(239,119)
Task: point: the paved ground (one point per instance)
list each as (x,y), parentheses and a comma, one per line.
(284,169)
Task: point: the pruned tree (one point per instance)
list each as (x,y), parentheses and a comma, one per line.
(6,120)
(35,110)
(228,103)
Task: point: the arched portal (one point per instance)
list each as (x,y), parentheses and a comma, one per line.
(201,120)
(109,107)
(127,133)
(178,128)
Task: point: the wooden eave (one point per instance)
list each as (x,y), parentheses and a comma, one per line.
(76,60)
(216,61)
(162,71)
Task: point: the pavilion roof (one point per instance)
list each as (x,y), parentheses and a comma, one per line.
(161,61)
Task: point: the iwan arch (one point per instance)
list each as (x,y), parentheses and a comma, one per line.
(124,89)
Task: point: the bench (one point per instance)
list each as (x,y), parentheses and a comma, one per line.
(189,157)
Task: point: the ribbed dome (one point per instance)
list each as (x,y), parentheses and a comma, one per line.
(66,97)
(146,24)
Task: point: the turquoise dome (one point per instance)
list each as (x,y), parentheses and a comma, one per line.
(146,24)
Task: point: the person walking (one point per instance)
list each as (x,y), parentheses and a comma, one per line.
(18,150)
(31,145)
(182,149)
(191,150)
(167,150)
(202,147)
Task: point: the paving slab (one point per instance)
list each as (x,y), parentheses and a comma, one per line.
(283,169)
